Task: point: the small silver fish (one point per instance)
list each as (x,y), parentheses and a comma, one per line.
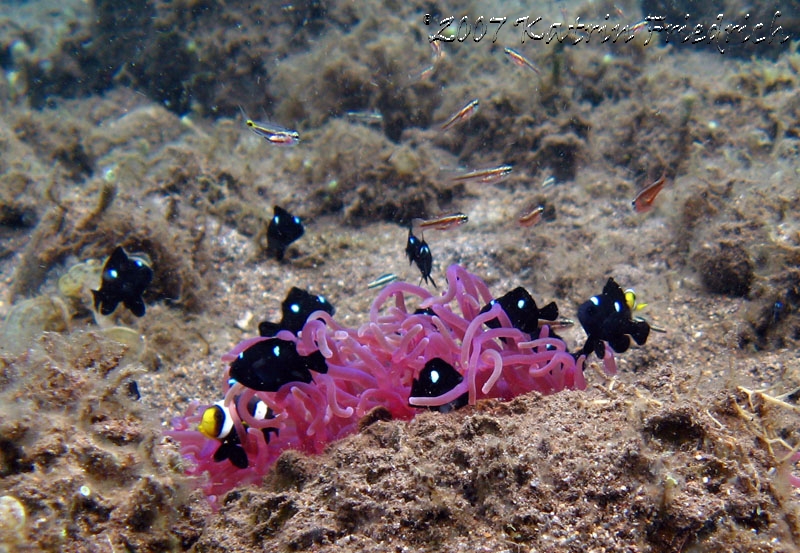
(485,176)
(382,280)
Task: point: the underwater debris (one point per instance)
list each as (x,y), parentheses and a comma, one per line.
(13,519)
(80,279)
(28,318)
(725,268)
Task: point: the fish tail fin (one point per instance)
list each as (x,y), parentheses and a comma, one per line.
(103,303)
(549,312)
(268,328)
(136,305)
(317,362)
(640,331)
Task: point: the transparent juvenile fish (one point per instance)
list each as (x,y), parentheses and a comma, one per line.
(521,60)
(274,134)
(365,117)
(557,324)
(485,176)
(438,52)
(530,218)
(462,115)
(643,201)
(382,280)
(442,222)
(423,74)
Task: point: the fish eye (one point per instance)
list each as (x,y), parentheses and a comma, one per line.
(276,351)
(295,308)
(112,273)
(617,307)
(276,220)
(595,300)
(434,376)
(520,304)
(296,220)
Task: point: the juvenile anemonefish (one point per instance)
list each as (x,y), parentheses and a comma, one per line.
(124,280)
(436,378)
(630,299)
(419,252)
(283,229)
(217,423)
(295,309)
(607,318)
(267,365)
(522,311)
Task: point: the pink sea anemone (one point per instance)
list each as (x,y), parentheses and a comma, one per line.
(375,366)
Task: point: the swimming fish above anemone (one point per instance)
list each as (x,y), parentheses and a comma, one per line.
(269,364)
(124,280)
(419,252)
(296,308)
(283,229)
(607,318)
